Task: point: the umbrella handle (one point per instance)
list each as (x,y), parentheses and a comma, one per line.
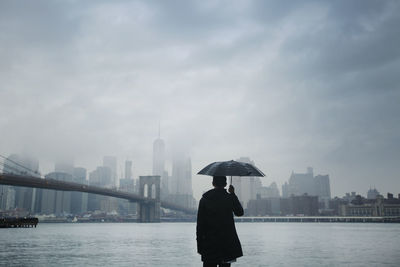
(231,180)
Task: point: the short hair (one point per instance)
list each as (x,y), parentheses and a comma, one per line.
(219,181)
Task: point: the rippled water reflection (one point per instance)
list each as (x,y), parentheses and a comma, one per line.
(173,244)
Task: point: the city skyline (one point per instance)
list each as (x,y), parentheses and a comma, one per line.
(312,83)
(76,171)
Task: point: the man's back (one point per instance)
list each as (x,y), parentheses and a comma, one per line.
(217,239)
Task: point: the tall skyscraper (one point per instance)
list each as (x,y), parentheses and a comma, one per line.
(158,157)
(78,199)
(57,202)
(246,188)
(128,169)
(159,165)
(102,177)
(180,182)
(181,179)
(111,162)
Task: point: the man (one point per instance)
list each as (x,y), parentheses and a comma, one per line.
(217,240)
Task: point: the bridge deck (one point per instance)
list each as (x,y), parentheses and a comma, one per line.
(28,181)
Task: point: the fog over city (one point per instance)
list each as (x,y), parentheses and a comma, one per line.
(289,85)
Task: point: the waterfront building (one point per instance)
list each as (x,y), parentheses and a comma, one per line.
(349,197)
(372,193)
(372,207)
(270,191)
(304,205)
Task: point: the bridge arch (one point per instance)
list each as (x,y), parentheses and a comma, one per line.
(149,187)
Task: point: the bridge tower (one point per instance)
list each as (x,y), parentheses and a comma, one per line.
(149,188)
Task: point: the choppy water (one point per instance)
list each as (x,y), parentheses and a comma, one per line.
(173,244)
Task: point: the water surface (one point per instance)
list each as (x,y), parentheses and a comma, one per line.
(174,244)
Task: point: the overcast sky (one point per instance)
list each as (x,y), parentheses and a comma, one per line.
(289,84)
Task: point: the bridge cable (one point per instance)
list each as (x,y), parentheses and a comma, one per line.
(18,164)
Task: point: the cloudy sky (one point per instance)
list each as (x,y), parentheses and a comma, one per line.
(290,85)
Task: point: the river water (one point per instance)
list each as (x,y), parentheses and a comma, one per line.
(174,244)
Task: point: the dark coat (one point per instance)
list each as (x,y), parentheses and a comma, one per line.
(217,239)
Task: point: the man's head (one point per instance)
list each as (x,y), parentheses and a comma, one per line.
(219,181)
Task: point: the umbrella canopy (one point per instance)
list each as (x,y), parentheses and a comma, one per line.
(231,168)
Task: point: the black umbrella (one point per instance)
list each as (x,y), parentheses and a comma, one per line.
(231,168)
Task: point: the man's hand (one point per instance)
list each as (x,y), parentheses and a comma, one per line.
(231,189)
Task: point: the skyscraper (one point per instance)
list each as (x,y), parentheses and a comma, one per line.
(56,202)
(158,157)
(78,199)
(246,188)
(180,182)
(159,165)
(323,189)
(128,169)
(111,162)
(305,183)
(102,177)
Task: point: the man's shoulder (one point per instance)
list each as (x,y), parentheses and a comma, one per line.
(215,194)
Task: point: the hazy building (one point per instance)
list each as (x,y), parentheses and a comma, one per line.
(101,177)
(246,188)
(7,197)
(66,166)
(19,197)
(323,189)
(301,183)
(294,205)
(128,169)
(305,183)
(79,200)
(159,165)
(304,205)
(263,207)
(111,163)
(54,201)
(180,183)
(372,193)
(270,191)
(181,179)
(349,197)
(372,207)
(124,206)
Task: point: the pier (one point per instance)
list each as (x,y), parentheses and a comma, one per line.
(18,222)
(321,219)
